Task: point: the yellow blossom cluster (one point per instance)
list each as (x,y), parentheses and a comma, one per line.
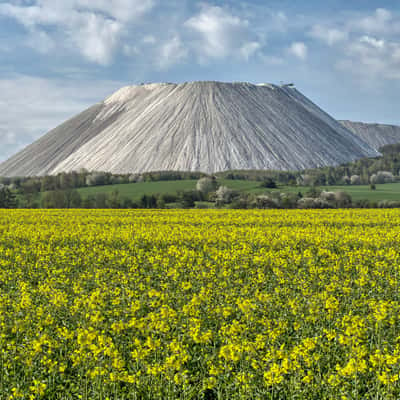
(200,304)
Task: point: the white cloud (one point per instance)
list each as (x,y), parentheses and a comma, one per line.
(272,60)
(218,34)
(281,20)
(328,35)
(274,21)
(171,52)
(369,57)
(93,27)
(9,138)
(367,45)
(371,41)
(130,50)
(121,10)
(31,106)
(248,49)
(64,12)
(299,50)
(149,39)
(379,22)
(98,38)
(40,41)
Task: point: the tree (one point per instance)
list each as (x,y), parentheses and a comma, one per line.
(89,202)
(73,198)
(311,202)
(382,177)
(48,183)
(265,201)
(81,177)
(244,201)
(55,199)
(268,183)
(224,195)
(29,201)
(313,192)
(148,201)
(346,180)
(364,176)
(374,179)
(207,185)
(330,179)
(114,200)
(96,179)
(132,178)
(65,180)
(327,196)
(188,198)
(342,199)
(160,203)
(100,200)
(288,200)
(306,180)
(31,185)
(7,198)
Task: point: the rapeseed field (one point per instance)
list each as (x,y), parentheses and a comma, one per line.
(200,304)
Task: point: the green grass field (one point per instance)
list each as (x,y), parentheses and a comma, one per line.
(389,191)
(136,190)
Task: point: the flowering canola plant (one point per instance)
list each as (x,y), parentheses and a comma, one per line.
(202,304)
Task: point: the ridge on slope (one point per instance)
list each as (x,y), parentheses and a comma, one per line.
(195,126)
(376,135)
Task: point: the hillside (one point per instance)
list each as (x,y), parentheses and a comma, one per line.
(376,135)
(196,126)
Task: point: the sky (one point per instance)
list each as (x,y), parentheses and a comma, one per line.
(58,57)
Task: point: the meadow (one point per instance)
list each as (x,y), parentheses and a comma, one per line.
(388,191)
(199,304)
(136,190)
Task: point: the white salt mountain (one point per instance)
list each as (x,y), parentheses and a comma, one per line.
(197,126)
(376,135)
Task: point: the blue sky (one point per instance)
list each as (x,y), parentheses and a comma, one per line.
(59,56)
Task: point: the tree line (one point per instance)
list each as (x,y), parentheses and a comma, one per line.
(60,191)
(208,193)
(364,171)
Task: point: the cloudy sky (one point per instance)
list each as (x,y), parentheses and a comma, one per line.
(59,56)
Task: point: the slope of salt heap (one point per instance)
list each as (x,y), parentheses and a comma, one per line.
(193,126)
